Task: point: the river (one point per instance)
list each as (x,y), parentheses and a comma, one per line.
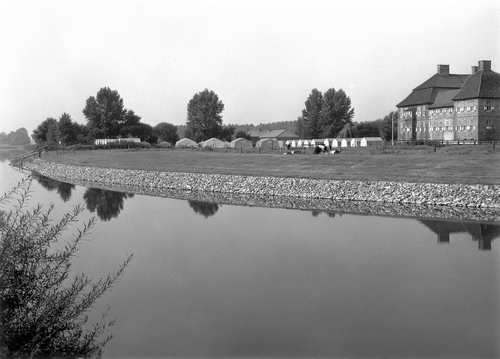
(220,280)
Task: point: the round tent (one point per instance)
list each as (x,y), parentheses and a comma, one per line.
(185,142)
(241,143)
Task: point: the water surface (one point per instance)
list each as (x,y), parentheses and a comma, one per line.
(217,280)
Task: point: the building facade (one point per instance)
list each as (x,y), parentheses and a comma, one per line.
(453,107)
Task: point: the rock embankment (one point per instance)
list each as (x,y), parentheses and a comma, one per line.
(433,194)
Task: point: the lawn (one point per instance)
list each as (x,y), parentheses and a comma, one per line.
(467,164)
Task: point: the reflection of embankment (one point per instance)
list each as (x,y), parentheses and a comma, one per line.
(326,205)
(428,200)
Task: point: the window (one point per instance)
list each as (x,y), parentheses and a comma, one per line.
(468,128)
(489,107)
(458,109)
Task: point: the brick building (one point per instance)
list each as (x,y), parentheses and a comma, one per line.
(453,107)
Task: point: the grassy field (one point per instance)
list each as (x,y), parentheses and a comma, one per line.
(467,164)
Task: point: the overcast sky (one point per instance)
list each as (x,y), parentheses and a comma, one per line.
(262,58)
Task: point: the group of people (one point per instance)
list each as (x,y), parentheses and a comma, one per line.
(317,150)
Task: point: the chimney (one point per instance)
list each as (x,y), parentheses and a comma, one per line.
(485,65)
(443,69)
(474,69)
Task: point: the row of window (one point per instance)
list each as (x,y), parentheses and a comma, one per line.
(488,107)
(445,128)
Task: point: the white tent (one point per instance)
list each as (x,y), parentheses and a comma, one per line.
(336,142)
(294,144)
(326,142)
(306,143)
(241,143)
(185,142)
(355,142)
(299,143)
(344,143)
(214,143)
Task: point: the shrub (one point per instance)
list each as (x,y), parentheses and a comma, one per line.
(42,310)
(164,144)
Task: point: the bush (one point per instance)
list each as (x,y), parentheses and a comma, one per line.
(164,144)
(42,310)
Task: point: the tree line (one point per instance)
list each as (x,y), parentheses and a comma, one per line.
(324,115)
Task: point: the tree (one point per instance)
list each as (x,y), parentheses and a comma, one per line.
(347,132)
(226,133)
(325,115)
(131,126)
(46,131)
(18,138)
(66,130)
(335,114)
(166,132)
(389,126)
(311,114)
(243,134)
(204,115)
(105,113)
(43,311)
(367,129)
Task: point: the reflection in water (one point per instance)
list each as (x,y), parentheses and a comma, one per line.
(206,209)
(316,213)
(484,233)
(63,189)
(108,204)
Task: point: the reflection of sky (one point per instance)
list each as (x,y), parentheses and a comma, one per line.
(251,281)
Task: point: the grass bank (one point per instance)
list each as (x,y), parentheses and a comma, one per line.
(465,164)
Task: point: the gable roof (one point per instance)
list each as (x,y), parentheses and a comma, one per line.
(273,134)
(444,98)
(482,84)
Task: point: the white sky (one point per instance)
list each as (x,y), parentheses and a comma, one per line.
(262,58)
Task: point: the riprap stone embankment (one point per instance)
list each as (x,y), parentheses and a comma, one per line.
(457,195)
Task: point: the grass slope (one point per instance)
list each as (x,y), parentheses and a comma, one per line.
(452,164)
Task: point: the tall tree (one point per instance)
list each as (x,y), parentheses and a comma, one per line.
(131,126)
(66,129)
(368,129)
(389,126)
(336,113)
(204,115)
(166,132)
(104,113)
(311,115)
(45,132)
(226,133)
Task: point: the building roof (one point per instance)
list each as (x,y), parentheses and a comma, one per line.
(444,98)
(426,92)
(482,84)
(273,134)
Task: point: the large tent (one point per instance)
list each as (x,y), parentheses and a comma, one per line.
(269,143)
(185,142)
(241,143)
(214,143)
